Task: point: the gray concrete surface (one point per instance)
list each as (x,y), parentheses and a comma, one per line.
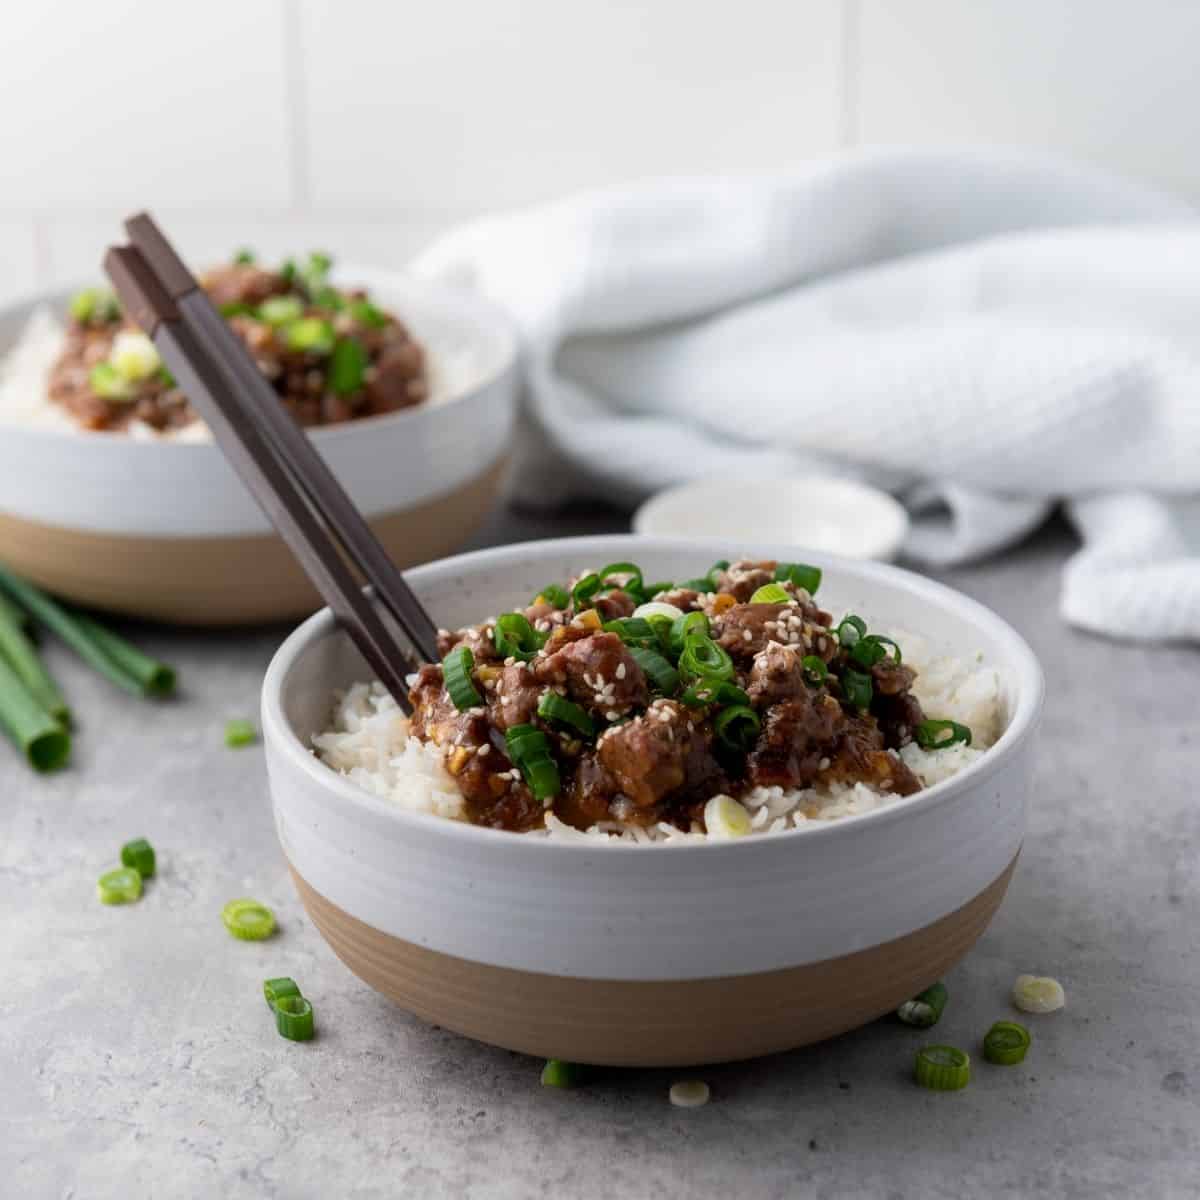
(137,1056)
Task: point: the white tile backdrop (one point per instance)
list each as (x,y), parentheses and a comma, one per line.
(369,125)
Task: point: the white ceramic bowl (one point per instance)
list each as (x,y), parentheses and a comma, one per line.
(165,529)
(663,954)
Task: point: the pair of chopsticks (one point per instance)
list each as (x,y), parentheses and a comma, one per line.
(275,459)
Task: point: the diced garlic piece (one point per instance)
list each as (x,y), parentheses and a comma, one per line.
(689,1093)
(1038,994)
(658,608)
(133,355)
(724,817)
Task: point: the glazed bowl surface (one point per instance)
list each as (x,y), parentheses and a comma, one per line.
(164,529)
(659,954)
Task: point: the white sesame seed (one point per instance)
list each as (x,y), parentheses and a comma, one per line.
(747,636)
(484,751)
(620,672)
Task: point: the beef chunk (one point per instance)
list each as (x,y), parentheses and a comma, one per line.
(797,737)
(742,579)
(614,604)
(684,599)
(242,283)
(745,629)
(597,671)
(777,675)
(514,699)
(665,753)
(477,638)
(860,757)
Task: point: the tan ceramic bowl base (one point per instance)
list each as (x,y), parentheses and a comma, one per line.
(221,580)
(641,1024)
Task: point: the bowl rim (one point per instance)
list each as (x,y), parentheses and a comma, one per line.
(479,309)
(1019,657)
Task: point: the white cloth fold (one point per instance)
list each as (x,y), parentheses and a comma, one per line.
(985,333)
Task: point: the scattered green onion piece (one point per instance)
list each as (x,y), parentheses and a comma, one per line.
(650,590)
(937,735)
(1006,1043)
(279,310)
(943,1068)
(287,271)
(239,732)
(770,593)
(873,648)
(122,886)
(553,707)
(456,672)
(585,589)
(633,631)
(626,575)
(314,273)
(713,691)
(701,584)
(737,727)
(552,594)
(274,990)
(661,624)
(857,689)
(663,677)
(82,305)
(801,574)
(248,920)
(815,670)
(294,1018)
(530,753)
(152,677)
(683,627)
(925,1010)
(850,630)
(237,308)
(165,376)
(328,297)
(139,855)
(717,570)
(23,658)
(515,637)
(311,334)
(12,612)
(108,383)
(42,739)
(559,1074)
(365,313)
(244,257)
(348,366)
(702,658)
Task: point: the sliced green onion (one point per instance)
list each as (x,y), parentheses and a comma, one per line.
(553,707)
(348,366)
(42,739)
(153,678)
(23,658)
(943,1068)
(1038,994)
(716,570)
(82,305)
(937,735)
(280,310)
(95,306)
(650,590)
(737,727)
(515,637)
(122,886)
(663,677)
(243,257)
(552,594)
(165,377)
(236,308)
(585,589)
(701,584)
(274,990)
(770,593)
(815,670)
(850,630)
(530,753)
(857,689)
(12,612)
(683,627)
(248,920)
(560,1074)
(628,577)
(661,624)
(109,384)
(633,631)
(311,334)
(713,691)
(925,1010)
(294,1018)
(364,312)
(702,658)
(873,648)
(240,732)
(801,574)
(287,271)
(1006,1043)
(314,273)
(456,672)
(139,855)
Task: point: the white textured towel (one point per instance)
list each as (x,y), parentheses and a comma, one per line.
(984,334)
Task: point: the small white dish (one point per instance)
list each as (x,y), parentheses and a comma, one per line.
(837,516)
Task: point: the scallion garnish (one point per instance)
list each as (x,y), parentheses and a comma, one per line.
(713,691)
(857,689)
(139,855)
(366,313)
(869,650)
(82,305)
(937,735)
(456,674)
(236,308)
(625,575)
(108,383)
(683,627)
(122,886)
(801,574)
(815,670)
(702,658)
(663,677)
(239,733)
(553,707)
(1006,1043)
(279,310)
(925,1010)
(274,990)
(243,257)
(312,335)
(555,596)
(850,630)
(633,631)
(248,920)
(650,590)
(701,584)
(716,571)
(348,366)
(530,754)
(515,637)
(770,593)
(294,1018)
(737,727)
(586,588)
(943,1068)
(560,1074)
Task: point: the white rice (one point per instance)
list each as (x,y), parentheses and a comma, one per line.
(25,402)
(369,743)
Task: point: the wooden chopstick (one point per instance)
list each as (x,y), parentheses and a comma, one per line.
(288,440)
(246,444)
